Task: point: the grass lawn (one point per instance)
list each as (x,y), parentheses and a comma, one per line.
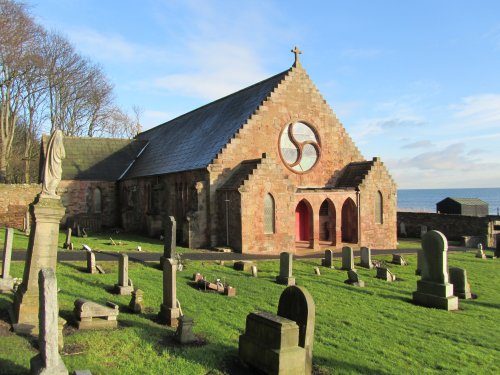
(373,330)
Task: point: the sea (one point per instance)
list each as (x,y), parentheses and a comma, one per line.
(424,200)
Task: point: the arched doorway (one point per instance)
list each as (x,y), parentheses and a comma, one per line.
(303,224)
(327,218)
(349,222)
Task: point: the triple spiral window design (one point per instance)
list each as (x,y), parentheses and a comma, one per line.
(299,147)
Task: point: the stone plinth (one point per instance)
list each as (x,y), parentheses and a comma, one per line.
(434,289)
(91,315)
(366,258)
(124,286)
(136,304)
(169,312)
(6,280)
(184,334)
(286,266)
(243,265)
(42,253)
(461,286)
(347,258)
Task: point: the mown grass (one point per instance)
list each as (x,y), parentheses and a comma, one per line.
(373,330)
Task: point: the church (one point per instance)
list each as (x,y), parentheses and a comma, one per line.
(266,169)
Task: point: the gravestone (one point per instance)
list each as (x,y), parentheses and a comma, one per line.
(423,230)
(254,271)
(7,281)
(399,260)
(418,271)
(461,286)
(91,267)
(317,271)
(497,248)
(243,265)
(169,240)
(184,334)
(480,253)
(384,274)
(124,286)
(353,279)
(91,315)
(434,289)
(282,343)
(136,304)
(327,261)
(48,361)
(286,266)
(402,229)
(67,244)
(366,258)
(347,258)
(169,312)
(27,222)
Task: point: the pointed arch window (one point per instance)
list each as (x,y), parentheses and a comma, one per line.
(96,201)
(269,213)
(379,208)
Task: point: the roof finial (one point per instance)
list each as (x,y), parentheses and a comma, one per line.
(297,52)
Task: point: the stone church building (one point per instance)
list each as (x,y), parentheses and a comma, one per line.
(269,168)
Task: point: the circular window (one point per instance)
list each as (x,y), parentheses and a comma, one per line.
(299,147)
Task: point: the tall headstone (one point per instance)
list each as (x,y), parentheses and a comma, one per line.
(461,286)
(347,258)
(6,281)
(366,257)
(423,230)
(402,229)
(418,271)
(434,289)
(170,240)
(327,261)
(169,311)
(48,361)
(91,267)
(67,243)
(124,286)
(286,268)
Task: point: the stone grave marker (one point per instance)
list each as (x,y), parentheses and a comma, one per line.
(136,304)
(327,261)
(91,315)
(254,271)
(7,281)
(169,240)
(347,258)
(286,266)
(418,271)
(91,267)
(67,244)
(461,286)
(353,279)
(366,257)
(384,274)
(243,265)
(48,361)
(399,260)
(184,334)
(169,312)
(402,229)
(317,271)
(423,230)
(434,289)
(124,286)
(480,252)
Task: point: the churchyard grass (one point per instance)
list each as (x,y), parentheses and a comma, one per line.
(373,330)
(415,243)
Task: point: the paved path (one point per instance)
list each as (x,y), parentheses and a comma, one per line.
(80,255)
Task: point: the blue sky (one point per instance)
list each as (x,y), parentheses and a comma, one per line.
(416,83)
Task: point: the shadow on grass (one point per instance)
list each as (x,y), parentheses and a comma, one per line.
(11,368)
(344,367)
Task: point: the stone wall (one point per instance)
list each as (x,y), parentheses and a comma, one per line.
(454,227)
(14,202)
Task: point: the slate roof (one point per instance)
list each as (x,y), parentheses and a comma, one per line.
(194,139)
(354,174)
(103,159)
(240,174)
(466,201)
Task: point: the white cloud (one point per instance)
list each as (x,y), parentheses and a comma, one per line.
(377,126)
(480,111)
(418,144)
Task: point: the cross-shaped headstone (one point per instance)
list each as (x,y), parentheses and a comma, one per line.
(297,52)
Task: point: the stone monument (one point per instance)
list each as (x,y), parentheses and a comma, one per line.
(124,286)
(461,286)
(347,258)
(67,244)
(170,240)
(353,279)
(434,289)
(169,311)
(6,281)
(327,261)
(286,267)
(91,266)
(48,361)
(46,212)
(384,274)
(136,304)
(418,271)
(366,258)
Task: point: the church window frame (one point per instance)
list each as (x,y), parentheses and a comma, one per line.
(269,214)
(379,208)
(97,200)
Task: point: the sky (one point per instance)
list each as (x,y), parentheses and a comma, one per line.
(416,83)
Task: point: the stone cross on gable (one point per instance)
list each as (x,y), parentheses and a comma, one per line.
(297,52)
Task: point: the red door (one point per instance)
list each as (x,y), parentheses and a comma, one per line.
(301,222)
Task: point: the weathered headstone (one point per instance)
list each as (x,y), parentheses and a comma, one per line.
(317,271)
(48,361)
(366,257)
(353,279)
(67,244)
(384,274)
(461,286)
(124,286)
(347,258)
(137,302)
(169,312)
(286,266)
(254,271)
(434,289)
(423,230)
(327,261)
(91,315)
(418,271)
(7,281)
(184,334)
(91,267)
(402,229)
(243,265)
(169,240)
(480,253)
(27,222)
(399,260)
